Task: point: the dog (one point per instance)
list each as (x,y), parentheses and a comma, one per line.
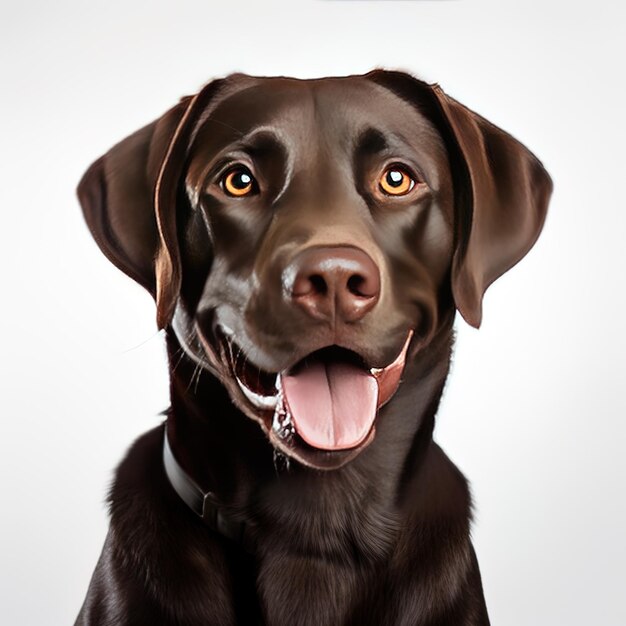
(308,244)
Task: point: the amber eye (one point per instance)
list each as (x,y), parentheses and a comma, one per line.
(395,181)
(238,182)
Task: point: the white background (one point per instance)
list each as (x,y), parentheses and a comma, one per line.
(534,412)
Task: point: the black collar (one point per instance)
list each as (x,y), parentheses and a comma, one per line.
(204,504)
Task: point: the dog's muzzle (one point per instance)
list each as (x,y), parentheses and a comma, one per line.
(329,399)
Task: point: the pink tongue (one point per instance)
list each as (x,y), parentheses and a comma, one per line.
(332,405)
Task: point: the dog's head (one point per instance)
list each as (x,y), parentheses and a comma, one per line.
(300,235)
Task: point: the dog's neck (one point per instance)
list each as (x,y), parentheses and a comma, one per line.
(227,453)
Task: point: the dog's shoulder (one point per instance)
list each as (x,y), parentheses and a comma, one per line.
(438,514)
(433,565)
(142,497)
(157,545)
(442,489)
(139,470)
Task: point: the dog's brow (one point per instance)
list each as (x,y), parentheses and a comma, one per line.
(259,138)
(371,140)
(374,141)
(213,120)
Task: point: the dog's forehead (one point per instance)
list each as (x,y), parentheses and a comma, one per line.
(335,108)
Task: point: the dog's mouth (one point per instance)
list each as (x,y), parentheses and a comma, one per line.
(321,410)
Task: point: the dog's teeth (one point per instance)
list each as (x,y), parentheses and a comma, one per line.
(226,330)
(376,370)
(259,401)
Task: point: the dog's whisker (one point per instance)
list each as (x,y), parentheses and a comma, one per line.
(199,373)
(142,343)
(180,353)
(240,356)
(191,380)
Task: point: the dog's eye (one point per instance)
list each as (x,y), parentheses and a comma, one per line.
(396,181)
(239,182)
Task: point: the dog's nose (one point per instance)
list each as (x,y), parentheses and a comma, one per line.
(333,283)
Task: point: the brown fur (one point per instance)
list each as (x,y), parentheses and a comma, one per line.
(380,536)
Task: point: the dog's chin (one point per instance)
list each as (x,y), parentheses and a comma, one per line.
(321,410)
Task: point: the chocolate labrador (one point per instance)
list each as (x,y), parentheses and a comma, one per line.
(308,243)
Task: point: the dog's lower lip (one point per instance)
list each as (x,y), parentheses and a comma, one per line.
(388,377)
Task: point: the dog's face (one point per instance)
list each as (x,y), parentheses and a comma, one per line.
(306,234)
(316,241)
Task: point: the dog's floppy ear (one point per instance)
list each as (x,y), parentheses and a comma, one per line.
(129,197)
(510,191)
(501,191)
